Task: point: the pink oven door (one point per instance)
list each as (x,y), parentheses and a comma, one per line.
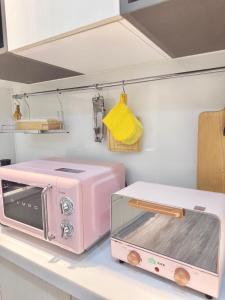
(24,206)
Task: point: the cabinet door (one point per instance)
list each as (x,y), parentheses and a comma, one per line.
(17,284)
(114,45)
(31,21)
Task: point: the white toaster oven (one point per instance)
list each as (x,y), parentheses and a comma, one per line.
(176,233)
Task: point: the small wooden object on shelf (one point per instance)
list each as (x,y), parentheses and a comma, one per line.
(17,114)
(39,124)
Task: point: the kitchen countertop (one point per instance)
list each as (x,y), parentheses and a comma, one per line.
(93,275)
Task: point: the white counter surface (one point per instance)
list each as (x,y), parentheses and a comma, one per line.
(93,275)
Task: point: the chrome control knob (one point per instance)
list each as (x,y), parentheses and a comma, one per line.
(66,206)
(66,230)
(181,276)
(133,258)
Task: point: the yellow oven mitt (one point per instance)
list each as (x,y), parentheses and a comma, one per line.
(122,123)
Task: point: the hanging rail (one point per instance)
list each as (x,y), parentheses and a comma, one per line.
(100,86)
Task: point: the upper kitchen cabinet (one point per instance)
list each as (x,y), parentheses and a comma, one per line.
(83,36)
(15,67)
(179,27)
(114,45)
(87,37)
(31,21)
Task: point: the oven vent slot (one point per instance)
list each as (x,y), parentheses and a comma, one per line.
(67,170)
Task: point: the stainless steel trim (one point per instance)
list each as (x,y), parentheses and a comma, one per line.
(69,202)
(67,229)
(44,199)
(101,86)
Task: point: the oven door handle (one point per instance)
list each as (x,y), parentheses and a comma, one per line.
(156,208)
(44,200)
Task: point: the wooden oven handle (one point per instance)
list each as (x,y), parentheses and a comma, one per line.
(157,208)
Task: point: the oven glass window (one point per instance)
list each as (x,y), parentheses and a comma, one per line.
(22,203)
(192,239)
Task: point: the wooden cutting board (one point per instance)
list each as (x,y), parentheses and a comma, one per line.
(115,146)
(211,151)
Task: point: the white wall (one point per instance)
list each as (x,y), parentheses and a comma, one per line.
(169,110)
(7,149)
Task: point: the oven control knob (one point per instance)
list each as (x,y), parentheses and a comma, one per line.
(133,258)
(181,276)
(66,206)
(66,230)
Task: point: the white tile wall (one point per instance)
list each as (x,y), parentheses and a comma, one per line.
(169,110)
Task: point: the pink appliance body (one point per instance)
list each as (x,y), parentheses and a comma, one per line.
(200,279)
(75,200)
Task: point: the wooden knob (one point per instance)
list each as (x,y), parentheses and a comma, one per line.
(133,258)
(181,276)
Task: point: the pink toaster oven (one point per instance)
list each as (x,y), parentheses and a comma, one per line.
(66,203)
(173,232)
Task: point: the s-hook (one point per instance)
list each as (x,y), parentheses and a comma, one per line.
(123,86)
(25,99)
(61,112)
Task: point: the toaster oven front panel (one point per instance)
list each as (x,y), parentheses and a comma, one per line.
(197,279)
(189,236)
(22,203)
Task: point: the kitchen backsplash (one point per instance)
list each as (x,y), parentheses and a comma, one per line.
(168,109)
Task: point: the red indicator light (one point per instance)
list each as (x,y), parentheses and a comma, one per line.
(156,269)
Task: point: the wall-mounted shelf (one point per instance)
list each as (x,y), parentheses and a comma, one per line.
(59,131)
(28,125)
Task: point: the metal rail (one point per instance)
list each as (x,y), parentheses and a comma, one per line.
(100,86)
